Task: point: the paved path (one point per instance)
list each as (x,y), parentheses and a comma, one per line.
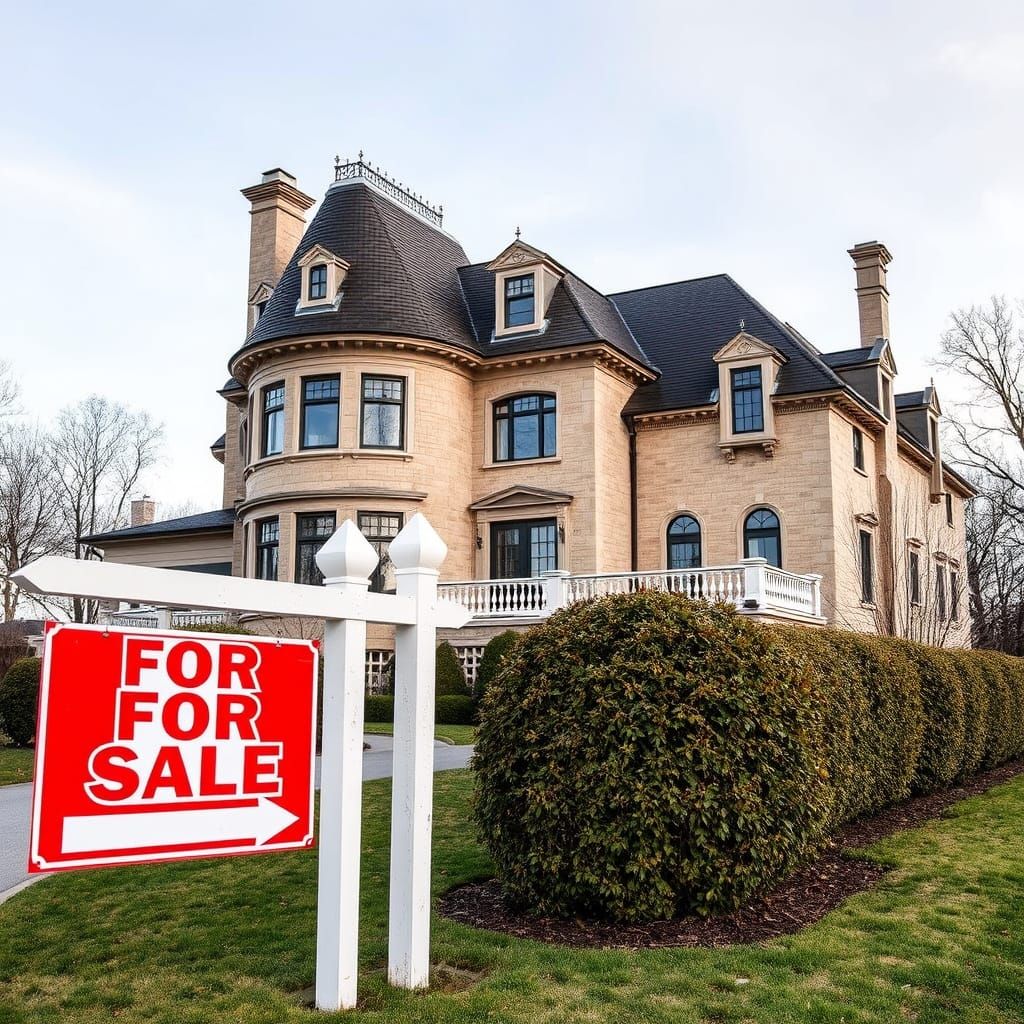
(16,804)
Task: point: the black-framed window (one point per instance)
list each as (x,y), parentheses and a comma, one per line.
(260,308)
(268,543)
(747,400)
(954,595)
(311,532)
(867,567)
(914,577)
(380,529)
(762,536)
(273,419)
(382,420)
(522,549)
(949,508)
(684,543)
(858,448)
(250,430)
(524,428)
(519,300)
(320,403)
(940,591)
(318,281)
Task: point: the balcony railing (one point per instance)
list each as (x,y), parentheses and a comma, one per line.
(753,586)
(164,618)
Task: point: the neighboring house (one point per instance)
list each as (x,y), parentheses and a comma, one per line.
(564,442)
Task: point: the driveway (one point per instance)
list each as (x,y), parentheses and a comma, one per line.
(16,806)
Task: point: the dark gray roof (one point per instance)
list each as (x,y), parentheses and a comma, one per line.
(233,385)
(848,357)
(219,443)
(681,326)
(219,519)
(909,400)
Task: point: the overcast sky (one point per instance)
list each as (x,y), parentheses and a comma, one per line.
(637,143)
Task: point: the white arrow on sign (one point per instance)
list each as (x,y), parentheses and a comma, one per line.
(260,822)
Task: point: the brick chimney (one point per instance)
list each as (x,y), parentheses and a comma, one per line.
(143,511)
(870,260)
(278,209)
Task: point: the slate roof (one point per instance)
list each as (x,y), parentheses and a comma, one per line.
(681,326)
(219,443)
(848,357)
(909,400)
(218,519)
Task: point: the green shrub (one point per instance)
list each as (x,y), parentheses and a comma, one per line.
(379,708)
(455,709)
(643,755)
(496,649)
(450,677)
(19,699)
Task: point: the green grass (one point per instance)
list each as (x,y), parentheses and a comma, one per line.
(460,735)
(16,765)
(940,941)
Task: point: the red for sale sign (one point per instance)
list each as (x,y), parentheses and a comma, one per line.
(163,745)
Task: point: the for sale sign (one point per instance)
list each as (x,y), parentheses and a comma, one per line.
(162,745)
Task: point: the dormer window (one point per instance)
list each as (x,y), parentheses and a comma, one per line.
(318,282)
(748,371)
(261,308)
(519,301)
(747,401)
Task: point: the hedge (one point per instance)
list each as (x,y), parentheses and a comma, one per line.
(454,709)
(450,677)
(19,699)
(490,662)
(378,708)
(644,755)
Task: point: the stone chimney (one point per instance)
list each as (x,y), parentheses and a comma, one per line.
(870,260)
(278,209)
(143,511)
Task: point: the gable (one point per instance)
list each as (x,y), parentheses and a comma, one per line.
(520,495)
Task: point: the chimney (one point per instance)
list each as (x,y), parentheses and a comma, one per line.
(143,511)
(278,220)
(870,260)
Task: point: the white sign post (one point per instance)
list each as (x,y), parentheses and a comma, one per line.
(346,560)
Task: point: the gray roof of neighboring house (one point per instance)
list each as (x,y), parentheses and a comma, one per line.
(218,519)
(909,400)
(219,443)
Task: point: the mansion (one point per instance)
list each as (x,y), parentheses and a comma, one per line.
(564,442)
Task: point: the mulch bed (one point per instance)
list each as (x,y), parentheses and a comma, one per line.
(801,899)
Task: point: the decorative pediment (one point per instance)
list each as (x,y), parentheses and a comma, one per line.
(746,346)
(931,399)
(519,496)
(866,518)
(885,358)
(318,254)
(262,293)
(519,254)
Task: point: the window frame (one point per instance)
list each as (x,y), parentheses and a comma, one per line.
(377,577)
(940,591)
(523,544)
(317,280)
(262,546)
(866,564)
(954,596)
(509,417)
(699,542)
(949,508)
(735,389)
(508,299)
(265,415)
(762,532)
(301,541)
(914,578)
(305,403)
(404,381)
(858,449)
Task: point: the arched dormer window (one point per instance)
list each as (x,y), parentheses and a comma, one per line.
(524,428)
(684,543)
(762,536)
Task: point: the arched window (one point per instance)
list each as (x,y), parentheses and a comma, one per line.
(762,536)
(684,543)
(524,428)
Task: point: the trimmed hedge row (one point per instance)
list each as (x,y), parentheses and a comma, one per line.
(19,697)
(450,709)
(644,755)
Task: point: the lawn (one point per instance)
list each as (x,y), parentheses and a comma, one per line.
(15,765)
(941,941)
(460,735)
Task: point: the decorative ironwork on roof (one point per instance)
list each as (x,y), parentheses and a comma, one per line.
(395,189)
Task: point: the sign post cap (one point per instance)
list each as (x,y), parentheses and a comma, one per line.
(417,546)
(347,555)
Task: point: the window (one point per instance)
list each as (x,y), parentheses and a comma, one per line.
(524,428)
(320,412)
(383,418)
(273,419)
(519,300)
(380,529)
(523,549)
(250,429)
(318,281)
(311,531)
(949,508)
(858,449)
(260,307)
(933,436)
(747,402)
(268,536)
(762,536)
(886,396)
(954,595)
(867,568)
(940,591)
(914,577)
(684,543)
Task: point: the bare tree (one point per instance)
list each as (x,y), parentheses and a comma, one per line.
(10,390)
(101,449)
(30,521)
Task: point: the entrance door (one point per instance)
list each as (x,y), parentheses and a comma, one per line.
(523,549)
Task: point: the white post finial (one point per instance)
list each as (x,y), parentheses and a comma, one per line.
(417,546)
(347,557)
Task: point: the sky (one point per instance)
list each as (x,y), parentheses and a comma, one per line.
(637,143)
